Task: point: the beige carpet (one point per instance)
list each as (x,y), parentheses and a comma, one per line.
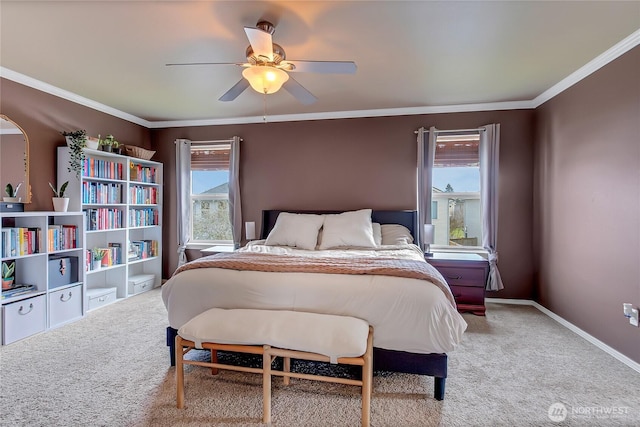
(112,369)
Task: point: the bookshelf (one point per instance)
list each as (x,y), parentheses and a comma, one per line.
(46,249)
(121,197)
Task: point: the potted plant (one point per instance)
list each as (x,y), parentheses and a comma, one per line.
(76,141)
(12,193)
(109,143)
(60,203)
(97,255)
(8,268)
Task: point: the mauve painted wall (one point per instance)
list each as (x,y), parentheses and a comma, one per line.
(43,117)
(587,203)
(575,206)
(366,162)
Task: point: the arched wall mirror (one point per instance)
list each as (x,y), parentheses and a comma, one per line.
(14,159)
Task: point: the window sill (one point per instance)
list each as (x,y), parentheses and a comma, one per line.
(478,251)
(204,245)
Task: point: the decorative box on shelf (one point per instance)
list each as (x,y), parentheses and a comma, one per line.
(11,207)
(62,271)
(99,297)
(141,283)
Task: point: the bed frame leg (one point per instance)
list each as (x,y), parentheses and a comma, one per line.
(438,391)
(171,343)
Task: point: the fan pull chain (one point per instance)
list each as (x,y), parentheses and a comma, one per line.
(264,106)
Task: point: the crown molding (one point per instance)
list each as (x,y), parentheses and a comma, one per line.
(513,105)
(70,96)
(600,61)
(591,67)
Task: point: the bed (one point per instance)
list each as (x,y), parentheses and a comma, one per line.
(407,301)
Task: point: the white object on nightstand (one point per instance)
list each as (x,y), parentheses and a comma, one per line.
(250,230)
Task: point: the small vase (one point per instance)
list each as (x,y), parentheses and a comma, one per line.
(12,199)
(97,264)
(60,204)
(93,143)
(6,283)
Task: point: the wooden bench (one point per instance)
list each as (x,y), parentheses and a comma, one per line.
(279,333)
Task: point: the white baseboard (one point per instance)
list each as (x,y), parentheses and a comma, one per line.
(602,346)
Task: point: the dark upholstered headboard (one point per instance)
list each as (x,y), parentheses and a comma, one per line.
(407,218)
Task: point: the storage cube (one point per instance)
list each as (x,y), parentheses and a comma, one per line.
(141,283)
(23,318)
(65,305)
(100,297)
(62,271)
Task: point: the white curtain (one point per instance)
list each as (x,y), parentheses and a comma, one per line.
(426,155)
(489,167)
(235,208)
(183,186)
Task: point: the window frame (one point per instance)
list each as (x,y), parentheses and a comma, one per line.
(450,136)
(195,243)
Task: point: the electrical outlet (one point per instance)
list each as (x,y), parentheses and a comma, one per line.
(634,317)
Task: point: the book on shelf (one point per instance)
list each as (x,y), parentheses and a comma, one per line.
(19,241)
(143,249)
(61,236)
(116,252)
(17,290)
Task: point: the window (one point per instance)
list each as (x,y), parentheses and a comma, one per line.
(457,217)
(210,194)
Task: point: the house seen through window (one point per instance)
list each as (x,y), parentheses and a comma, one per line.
(210,194)
(456,209)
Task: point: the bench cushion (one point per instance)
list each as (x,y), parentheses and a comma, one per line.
(329,335)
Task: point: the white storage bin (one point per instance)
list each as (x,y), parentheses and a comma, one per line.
(99,297)
(23,318)
(141,283)
(65,305)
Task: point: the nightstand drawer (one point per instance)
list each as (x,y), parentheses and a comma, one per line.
(462,276)
(468,295)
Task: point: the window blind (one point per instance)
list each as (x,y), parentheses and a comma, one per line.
(210,158)
(457,152)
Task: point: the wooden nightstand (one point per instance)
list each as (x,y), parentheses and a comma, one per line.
(467,275)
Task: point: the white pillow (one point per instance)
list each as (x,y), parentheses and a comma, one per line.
(296,230)
(377,233)
(348,229)
(395,234)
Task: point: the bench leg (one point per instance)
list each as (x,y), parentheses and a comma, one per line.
(286,366)
(367,381)
(179,373)
(438,391)
(214,359)
(266,385)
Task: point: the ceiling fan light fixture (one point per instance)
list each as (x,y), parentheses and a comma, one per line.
(265,79)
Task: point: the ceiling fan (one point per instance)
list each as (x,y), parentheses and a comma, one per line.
(266,69)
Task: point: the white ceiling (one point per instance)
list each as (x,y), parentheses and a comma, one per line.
(412,56)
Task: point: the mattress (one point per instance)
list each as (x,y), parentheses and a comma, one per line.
(407,314)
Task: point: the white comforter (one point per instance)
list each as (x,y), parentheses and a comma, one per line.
(407,314)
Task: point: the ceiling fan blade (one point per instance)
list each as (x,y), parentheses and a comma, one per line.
(261,42)
(236,90)
(207,63)
(324,67)
(299,92)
